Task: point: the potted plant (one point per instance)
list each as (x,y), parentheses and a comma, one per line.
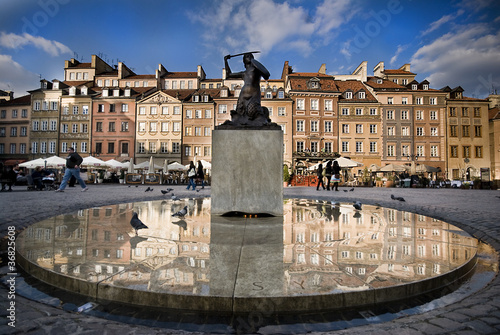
(367,177)
(390,181)
(286,176)
(122,177)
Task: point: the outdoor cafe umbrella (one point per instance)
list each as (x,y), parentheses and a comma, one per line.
(54,162)
(33,163)
(93,161)
(393,168)
(113,163)
(426,168)
(145,165)
(176,166)
(346,162)
(131,166)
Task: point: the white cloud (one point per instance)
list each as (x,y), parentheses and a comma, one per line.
(266,24)
(400,49)
(469,57)
(15,77)
(14,41)
(447,18)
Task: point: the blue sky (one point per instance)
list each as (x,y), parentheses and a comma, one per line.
(454,42)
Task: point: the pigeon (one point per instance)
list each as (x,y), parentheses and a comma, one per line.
(181,223)
(167,190)
(136,223)
(397,198)
(163,192)
(346,191)
(357,205)
(174,197)
(351,190)
(182,212)
(148,189)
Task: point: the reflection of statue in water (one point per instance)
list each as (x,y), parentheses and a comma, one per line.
(249,111)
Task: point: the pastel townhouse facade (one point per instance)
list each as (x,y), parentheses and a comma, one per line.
(45,111)
(14,126)
(494,135)
(467,135)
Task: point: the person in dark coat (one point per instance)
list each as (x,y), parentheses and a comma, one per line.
(320,177)
(73,162)
(336,172)
(200,174)
(328,174)
(8,177)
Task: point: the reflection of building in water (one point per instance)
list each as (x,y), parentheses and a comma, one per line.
(372,248)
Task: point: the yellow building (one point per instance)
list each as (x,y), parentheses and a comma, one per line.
(14,126)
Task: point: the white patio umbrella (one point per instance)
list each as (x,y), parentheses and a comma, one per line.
(33,163)
(206,165)
(145,165)
(347,163)
(93,161)
(115,164)
(176,166)
(54,162)
(151,167)
(131,166)
(393,168)
(165,167)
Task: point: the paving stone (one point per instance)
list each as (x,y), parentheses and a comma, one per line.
(447,324)
(481,327)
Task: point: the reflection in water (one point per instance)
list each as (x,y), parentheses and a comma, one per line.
(317,247)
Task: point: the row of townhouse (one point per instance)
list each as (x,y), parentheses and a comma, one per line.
(389,117)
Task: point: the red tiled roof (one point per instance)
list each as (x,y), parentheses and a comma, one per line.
(399,72)
(24,100)
(180,75)
(494,114)
(82,66)
(298,81)
(179,94)
(76,83)
(387,84)
(354,86)
(141,76)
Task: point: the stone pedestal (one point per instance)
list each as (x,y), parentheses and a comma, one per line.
(247,171)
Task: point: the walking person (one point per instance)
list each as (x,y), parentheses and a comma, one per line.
(200,174)
(336,173)
(73,162)
(191,175)
(328,174)
(320,175)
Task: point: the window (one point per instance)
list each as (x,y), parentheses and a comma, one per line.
(405,131)
(98,127)
(419,101)
(222,109)
(420,151)
(433,115)
(432,101)
(24,131)
(390,115)
(314,147)
(13,131)
(425,87)
(142,126)
(390,101)
(12,148)
(454,151)
(453,111)
(189,114)
(124,108)
(281,111)
(359,129)
(24,113)
(188,131)
(466,151)
(208,114)
(187,150)
(465,111)
(300,125)
(434,151)
(206,131)
(164,147)
(328,105)
(419,115)
(314,126)
(465,131)
(300,104)
(345,146)
(74,128)
(345,129)
(75,110)
(477,112)
(153,110)
(373,129)
(373,146)
(36,125)
(453,131)
(420,131)
(197,114)
(314,104)
(176,127)
(390,131)
(111,126)
(328,147)
(164,126)
(359,146)
(328,127)
(124,126)
(390,150)
(361,95)
(141,148)
(111,147)
(197,131)
(164,110)
(345,111)
(281,94)
(83,146)
(404,101)
(142,110)
(373,111)
(176,147)
(478,131)
(152,147)
(434,131)
(479,151)
(404,115)
(405,150)
(348,95)
(300,146)
(269,95)
(359,111)
(177,110)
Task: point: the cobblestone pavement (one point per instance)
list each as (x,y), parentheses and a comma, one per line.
(476,211)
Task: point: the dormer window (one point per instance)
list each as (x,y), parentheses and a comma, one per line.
(361,95)
(127,92)
(275,88)
(405,82)
(116,93)
(84,90)
(196,98)
(269,94)
(55,85)
(237,91)
(44,85)
(205,98)
(414,87)
(379,81)
(426,87)
(395,81)
(281,94)
(223,93)
(348,95)
(105,92)
(263,88)
(72,90)
(313,83)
